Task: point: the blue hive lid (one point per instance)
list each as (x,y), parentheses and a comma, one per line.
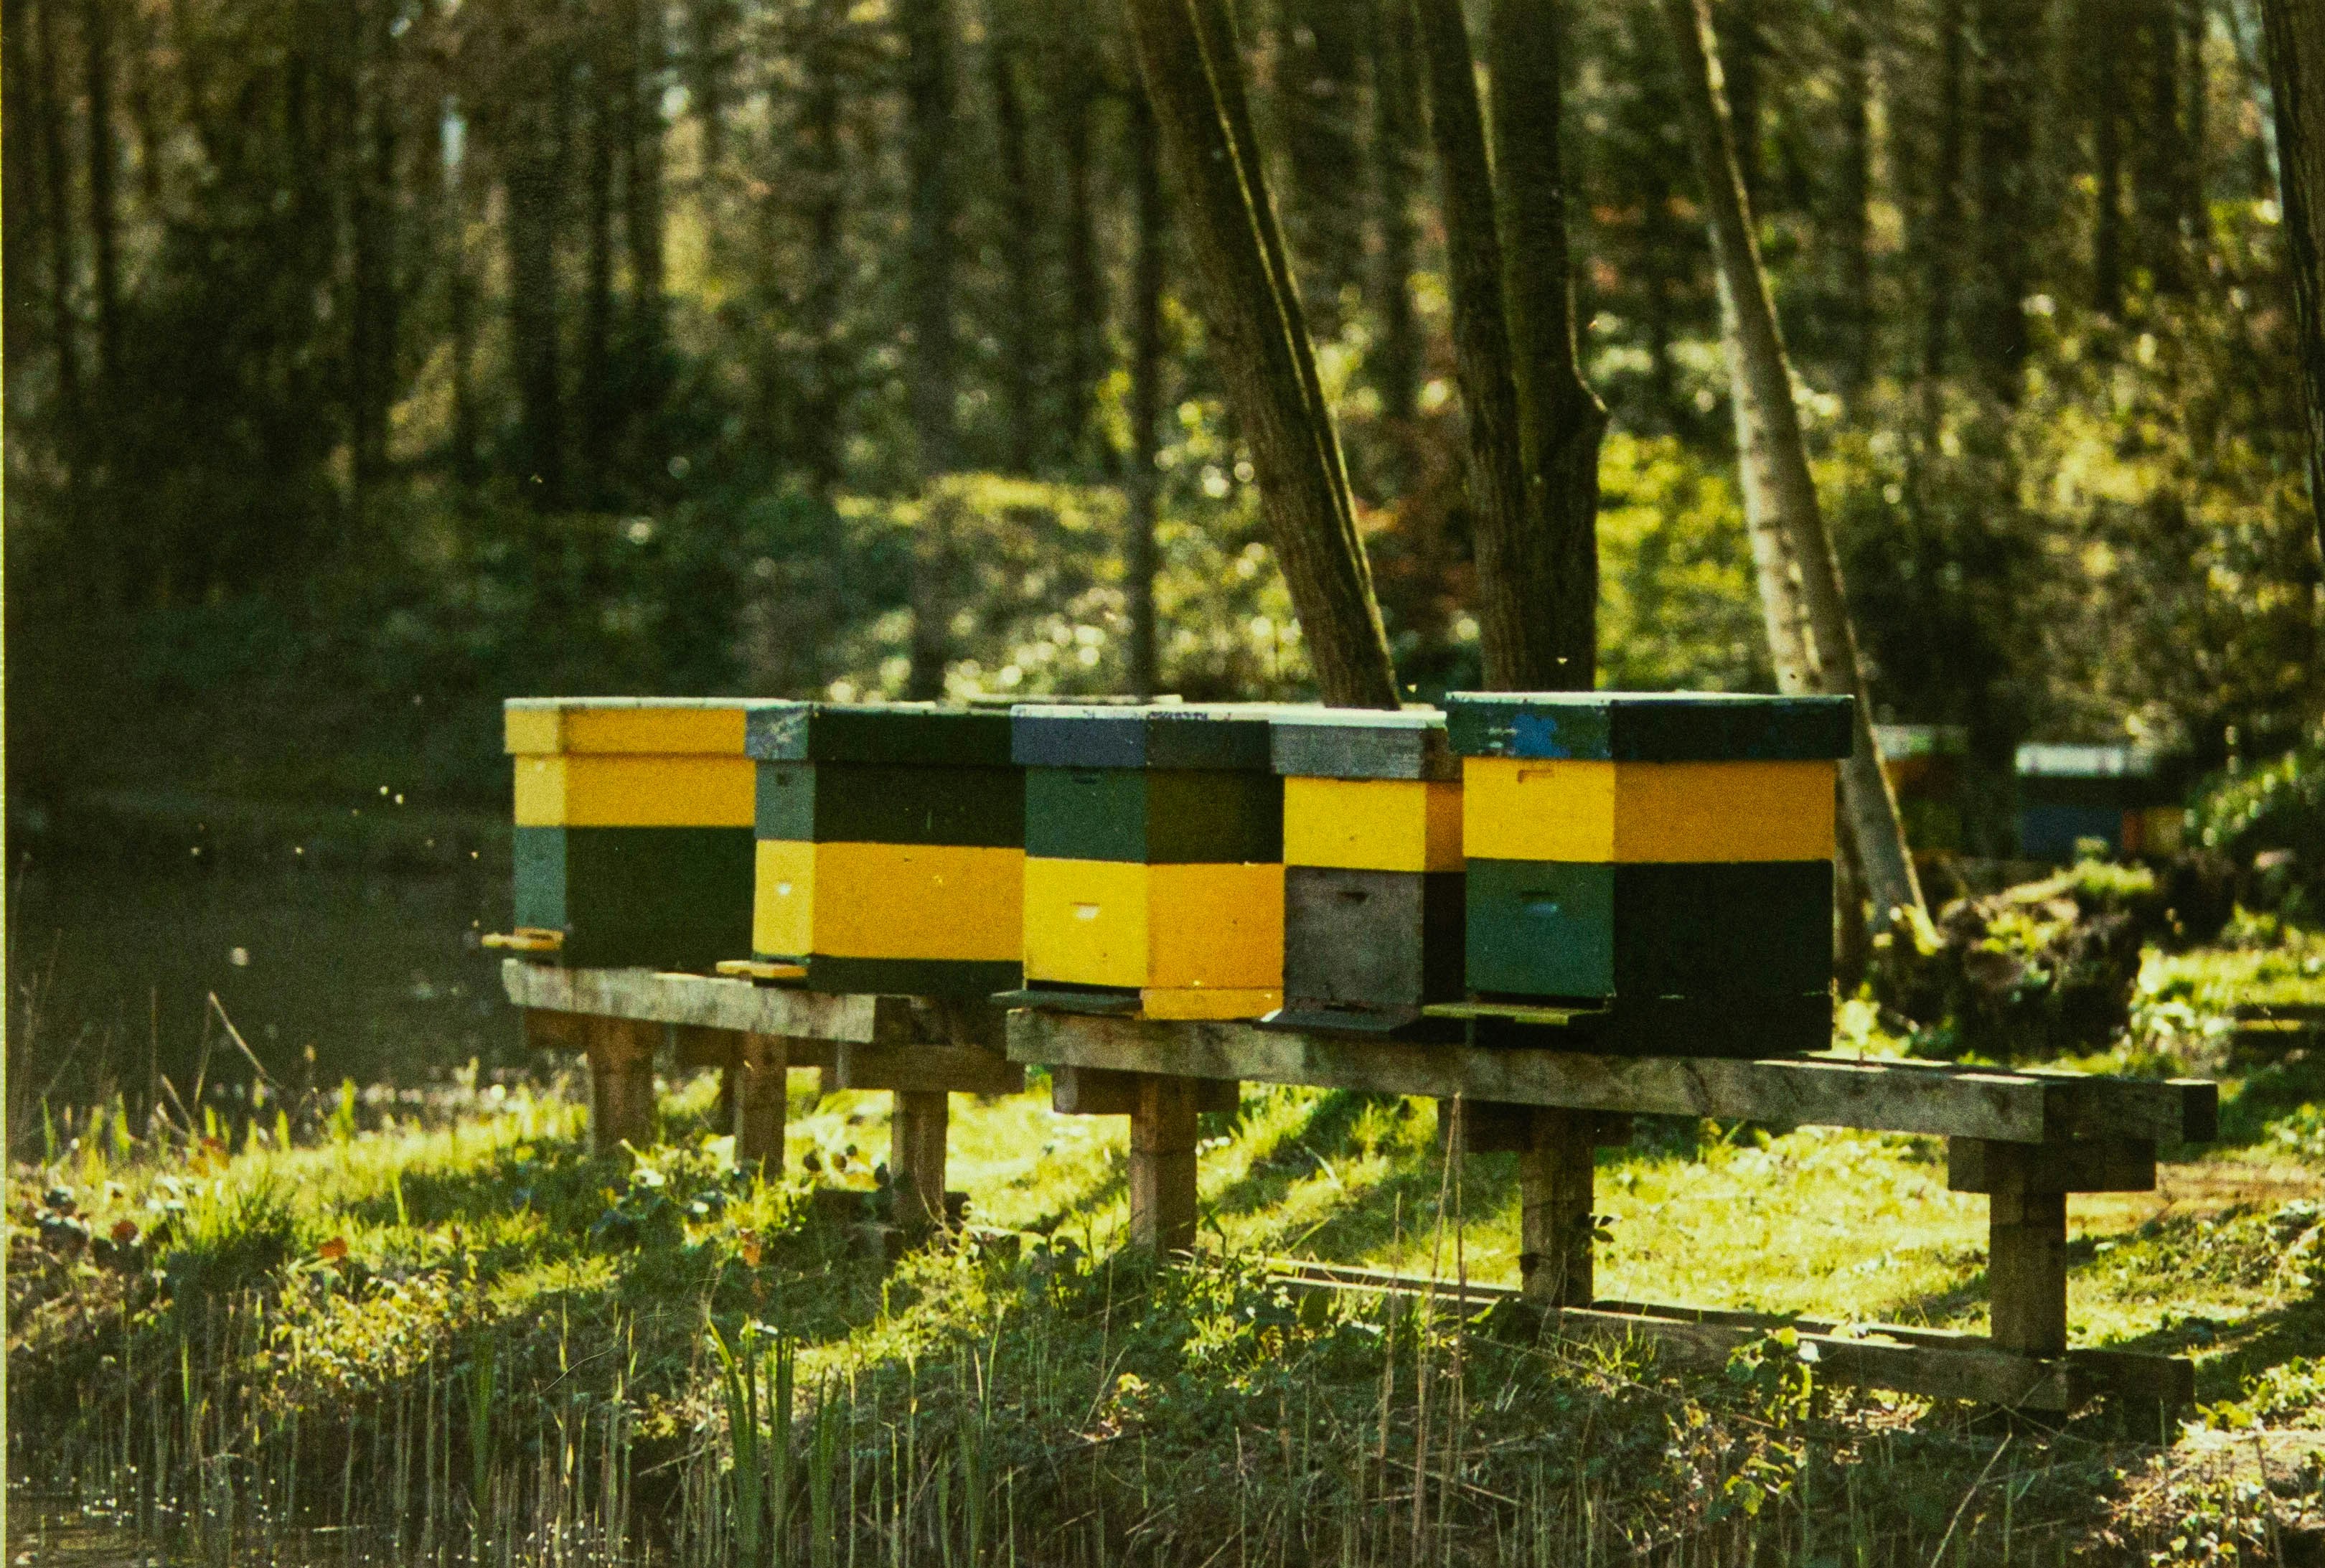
(1219,736)
(1649,726)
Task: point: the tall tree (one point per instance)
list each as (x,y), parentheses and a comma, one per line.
(1397,168)
(2100,24)
(821,60)
(1853,228)
(1080,86)
(104,211)
(1258,336)
(2009,39)
(929,108)
(1813,641)
(1022,332)
(1561,420)
(56,170)
(1143,563)
(2296,74)
(1317,82)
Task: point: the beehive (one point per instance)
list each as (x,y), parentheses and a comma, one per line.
(1373,888)
(1661,862)
(1924,763)
(891,847)
(1153,858)
(633,834)
(2120,796)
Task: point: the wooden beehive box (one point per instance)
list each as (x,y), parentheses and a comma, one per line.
(1372,885)
(1659,863)
(1153,859)
(2120,796)
(890,847)
(632,832)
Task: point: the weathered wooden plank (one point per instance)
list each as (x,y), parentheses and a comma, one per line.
(916,1159)
(1162,1131)
(923,1069)
(758,1094)
(2088,1166)
(1877,1095)
(1094,1091)
(699,999)
(621,1054)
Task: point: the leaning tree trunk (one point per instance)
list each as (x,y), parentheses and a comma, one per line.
(1260,341)
(2296,73)
(1773,454)
(1560,419)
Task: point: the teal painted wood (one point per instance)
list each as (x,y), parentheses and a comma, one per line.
(1649,726)
(924,734)
(1153,817)
(1362,743)
(854,802)
(911,977)
(1388,940)
(1730,929)
(1202,736)
(673,898)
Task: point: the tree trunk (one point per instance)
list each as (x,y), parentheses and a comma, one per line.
(64,326)
(371,168)
(1515,631)
(1085,329)
(18,172)
(2296,74)
(641,93)
(1774,459)
(1560,419)
(1146,367)
(598,418)
(706,76)
(2162,152)
(2101,22)
(1397,168)
(1258,337)
(1854,226)
(1741,49)
(827,196)
(2009,37)
(104,215)
(1022,332)
(532,178)
(1316,85)
(2195,17)
(1941,228)
(928,129)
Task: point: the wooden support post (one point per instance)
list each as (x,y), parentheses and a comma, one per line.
(1163,1163)
(621,1053)
(756,1086)
(2026,1227)
(916,1158)
(1555,1172)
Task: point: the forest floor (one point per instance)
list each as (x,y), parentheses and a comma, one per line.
(471,1339)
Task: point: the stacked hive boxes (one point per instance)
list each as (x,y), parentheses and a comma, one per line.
(890,852)
(1372,879)
(1662,863)
(1154,860)
(2120,796)
(632,838)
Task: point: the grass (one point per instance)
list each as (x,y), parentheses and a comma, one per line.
(477,1342)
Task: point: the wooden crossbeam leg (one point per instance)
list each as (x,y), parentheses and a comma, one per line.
(916,1158)
(621,1053)
(1556,1167)
(2026,1222)
(1163,1163)
(757,1089)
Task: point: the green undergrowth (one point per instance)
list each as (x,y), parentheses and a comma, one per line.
(482,1342)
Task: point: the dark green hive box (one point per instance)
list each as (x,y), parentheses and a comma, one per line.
(901,734)
(1154,786)
(1649,726)
(608,890)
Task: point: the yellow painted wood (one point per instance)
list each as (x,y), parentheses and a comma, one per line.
(888,901)
(616,729)
(1216,925)
(1118,922)
(1596,813)
(1369,824)
(1086,921)
(1160,1002)
(636,792)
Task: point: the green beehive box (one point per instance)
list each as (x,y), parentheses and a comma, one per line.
(1373,887)
(1153,859)
(633,830)
(890,849)
(1658,865)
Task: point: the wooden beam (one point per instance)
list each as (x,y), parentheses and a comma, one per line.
(2026,1270)
(916,1159)
(1879,1095)
(1163,1165)
(1557,1214)
(621,1054)
(758,1091)
(2087,1165)
(928,1070)
(1095,1091)
(699,999)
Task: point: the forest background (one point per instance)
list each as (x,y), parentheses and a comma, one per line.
(369,362)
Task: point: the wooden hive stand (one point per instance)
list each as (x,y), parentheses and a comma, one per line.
(919,1049)
(2023,1137)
